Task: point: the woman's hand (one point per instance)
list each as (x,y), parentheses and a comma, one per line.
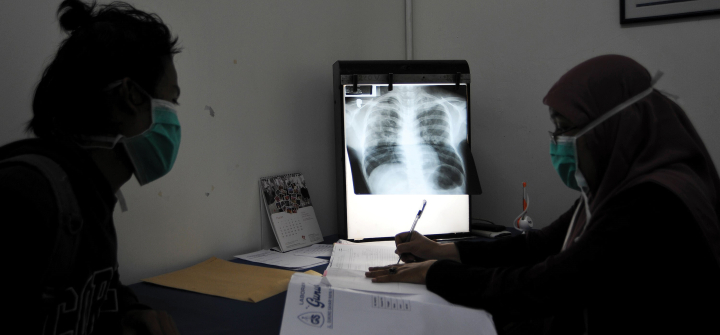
(421,248)
(406,273)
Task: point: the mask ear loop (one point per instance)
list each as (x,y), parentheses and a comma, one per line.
(97,142)
(105,142)
(121,201)
(584,189)
(588,216)
(572,223)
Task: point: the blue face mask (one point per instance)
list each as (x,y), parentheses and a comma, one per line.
(562,154)
(153,152)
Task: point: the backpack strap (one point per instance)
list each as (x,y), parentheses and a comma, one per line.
(70,219)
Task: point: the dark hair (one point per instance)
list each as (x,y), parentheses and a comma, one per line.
(106,43)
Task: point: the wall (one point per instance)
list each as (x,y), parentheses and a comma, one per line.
(272,114)
(518,49)
(264,67)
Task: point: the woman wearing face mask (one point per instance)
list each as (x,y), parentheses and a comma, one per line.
(638,252)
(104,110)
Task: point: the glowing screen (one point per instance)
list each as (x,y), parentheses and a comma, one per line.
(402,146)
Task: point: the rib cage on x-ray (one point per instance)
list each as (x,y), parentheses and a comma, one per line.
(408,145)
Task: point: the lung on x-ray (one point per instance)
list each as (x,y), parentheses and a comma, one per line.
(410,140)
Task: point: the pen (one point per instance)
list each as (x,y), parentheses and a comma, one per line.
(412,229)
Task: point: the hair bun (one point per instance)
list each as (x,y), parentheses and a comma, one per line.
(74,14)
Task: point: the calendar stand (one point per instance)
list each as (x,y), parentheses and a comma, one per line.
(289,208)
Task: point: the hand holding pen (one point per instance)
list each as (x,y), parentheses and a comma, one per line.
(414,247)
(410,251)
(412,228)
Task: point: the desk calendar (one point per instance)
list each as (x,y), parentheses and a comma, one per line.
(288,205)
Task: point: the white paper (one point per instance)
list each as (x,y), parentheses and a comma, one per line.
(362,256)
(431,298)
(349,262)
(388,243)
(315,250)
(355,279)
(313,308)
(322,262)
(375,243)
(280,259)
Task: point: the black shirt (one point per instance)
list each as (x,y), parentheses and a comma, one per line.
(642,265)
(87,296)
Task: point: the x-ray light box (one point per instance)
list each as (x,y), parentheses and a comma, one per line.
(403,136)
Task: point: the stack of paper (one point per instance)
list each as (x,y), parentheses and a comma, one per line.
(346,302)
(286,260)
(349,263)
(315,250)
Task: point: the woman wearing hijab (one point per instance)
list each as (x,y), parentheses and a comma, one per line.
(639,251)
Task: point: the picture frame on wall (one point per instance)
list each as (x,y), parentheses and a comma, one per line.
(632,11)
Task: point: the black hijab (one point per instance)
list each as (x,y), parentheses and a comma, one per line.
(652,140)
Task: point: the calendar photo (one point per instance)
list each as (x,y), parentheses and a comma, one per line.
(290,210)
(287,190)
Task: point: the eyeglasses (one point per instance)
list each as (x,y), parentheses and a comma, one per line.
(559,132)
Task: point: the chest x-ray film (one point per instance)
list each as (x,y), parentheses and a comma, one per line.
(408,140)
(402,147)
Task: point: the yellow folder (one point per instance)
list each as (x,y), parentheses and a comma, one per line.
(227,279)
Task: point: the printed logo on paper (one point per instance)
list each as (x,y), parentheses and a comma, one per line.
(314,319)
(315,300)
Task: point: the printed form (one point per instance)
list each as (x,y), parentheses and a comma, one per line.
(314,308)
(349,262)
(361,257)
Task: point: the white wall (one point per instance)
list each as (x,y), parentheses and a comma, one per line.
(273,115)
(518,49)
(273,109)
